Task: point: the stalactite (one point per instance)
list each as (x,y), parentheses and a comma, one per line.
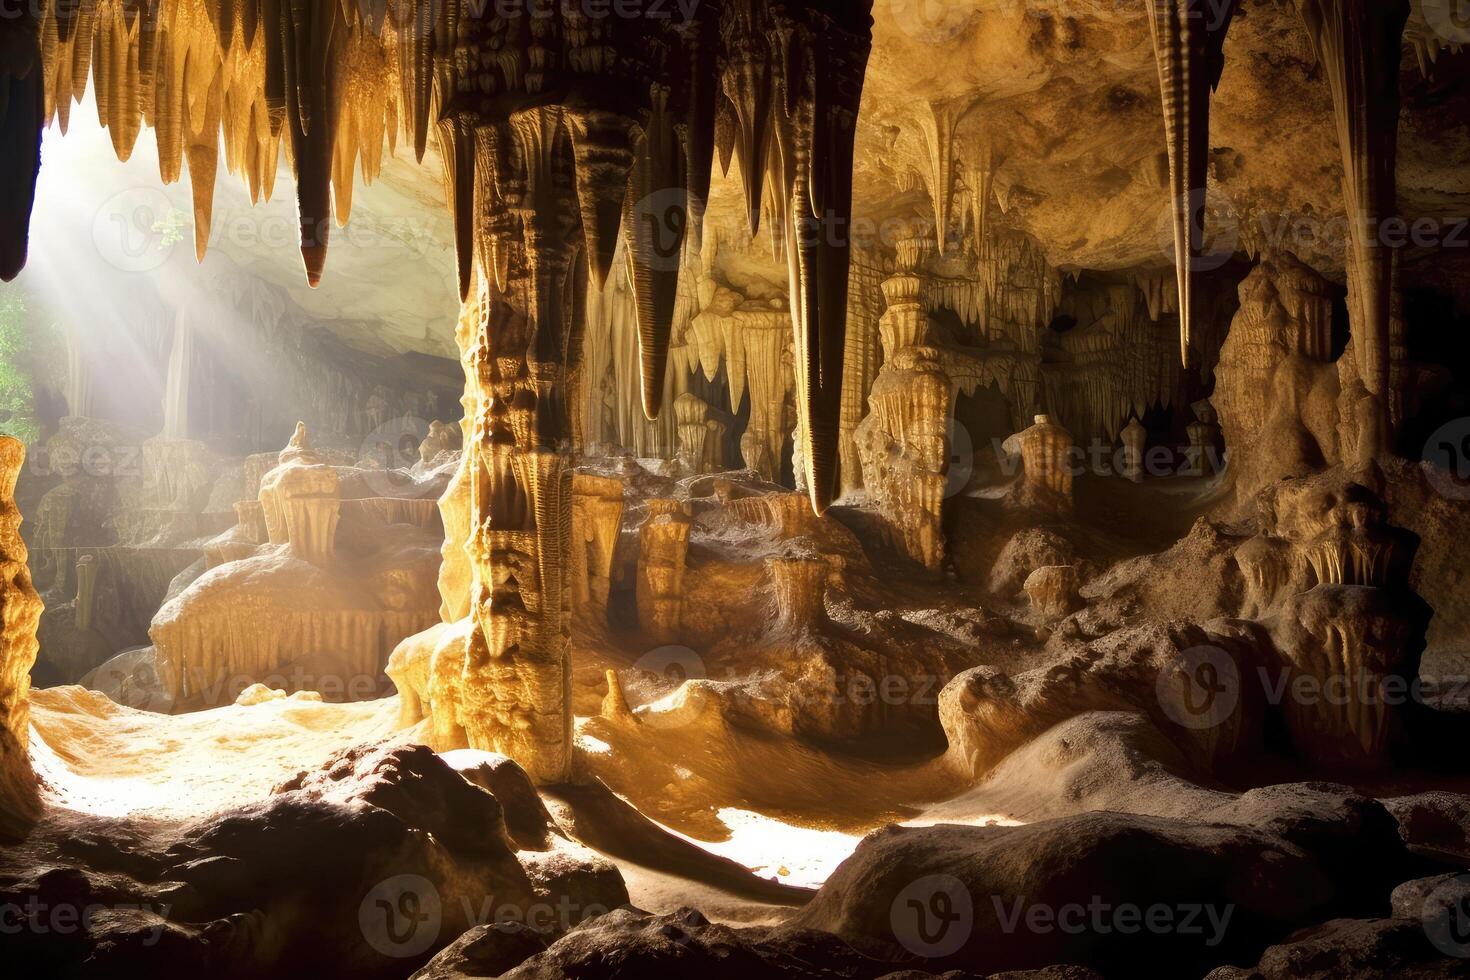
(656,210)
(22,115)
(1189,43)
(547,121)
(938,126)
(1359,45)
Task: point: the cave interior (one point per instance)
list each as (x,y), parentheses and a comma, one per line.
(734,488)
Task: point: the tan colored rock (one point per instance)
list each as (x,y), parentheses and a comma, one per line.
(1052,590)
(597,515)
(663,544)
(302,505)
(1046,465)
(1133,438)
(20,614)
(799,586)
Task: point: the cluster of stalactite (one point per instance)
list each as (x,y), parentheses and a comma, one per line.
(723,350)
(1119,361)
(1358,44)
(775,86)
(561,134)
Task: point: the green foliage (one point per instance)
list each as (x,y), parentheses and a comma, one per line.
(17,389)
(172,228)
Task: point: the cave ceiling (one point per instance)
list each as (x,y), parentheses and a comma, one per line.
(1059,99)
(1063,97)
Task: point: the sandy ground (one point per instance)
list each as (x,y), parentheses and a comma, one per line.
(99,756)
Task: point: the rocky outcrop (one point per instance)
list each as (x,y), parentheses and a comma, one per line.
(979,886)
(20,614)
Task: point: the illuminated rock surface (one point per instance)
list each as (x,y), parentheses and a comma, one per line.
(894,467)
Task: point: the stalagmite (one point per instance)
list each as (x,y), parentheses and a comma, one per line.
(1359,44)
(597,513)
(1189,45)
(799,585)
(20,614)
(561,134)
(1052,590)
(692,413)
(1133,438)
(1203,434)
(86,597)
(1046,459)
(1276,390)
(663,543)
(301,502)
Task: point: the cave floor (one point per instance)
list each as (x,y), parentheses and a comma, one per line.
(100,757)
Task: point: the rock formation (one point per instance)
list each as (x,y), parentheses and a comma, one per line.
(890,489)
(663,542)
(20,613)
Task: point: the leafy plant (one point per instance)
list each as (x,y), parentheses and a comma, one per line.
(17,388)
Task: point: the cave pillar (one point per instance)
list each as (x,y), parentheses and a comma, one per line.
(515,678)
(20,615)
